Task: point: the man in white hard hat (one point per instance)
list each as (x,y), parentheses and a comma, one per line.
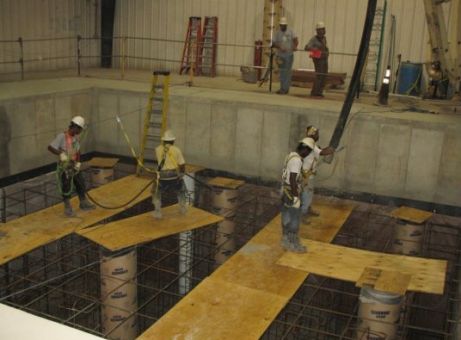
(309,172)
(319,52)
(285,41)
(171,168)
(291,196)
(66,145)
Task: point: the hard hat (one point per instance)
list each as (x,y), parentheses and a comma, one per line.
(168,136)
(283,21)
(79,121)
(310,142)
(311,131)
(320,25)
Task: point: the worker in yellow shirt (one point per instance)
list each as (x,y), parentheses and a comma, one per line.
(171,169)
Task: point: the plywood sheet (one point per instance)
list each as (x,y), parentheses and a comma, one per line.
(37,229)
(144,228)
(102,162)
(244,295)
(384,280)
(411,214)
(427,275)
(227,183)
(192,168)
(217,309)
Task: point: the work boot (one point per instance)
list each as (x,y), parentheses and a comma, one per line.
(86,205)
(295,245)
(313,212)
(285,243)
(157,212)
(305,220)
(183,209)
(68,209)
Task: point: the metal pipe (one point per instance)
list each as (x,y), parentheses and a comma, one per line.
(21,56)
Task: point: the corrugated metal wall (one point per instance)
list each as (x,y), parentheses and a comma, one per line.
(40,19)
(240,23)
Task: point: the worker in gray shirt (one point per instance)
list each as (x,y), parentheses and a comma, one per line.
(319,52)
(66,145)
(285,41)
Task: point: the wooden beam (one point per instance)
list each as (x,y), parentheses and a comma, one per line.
(42,227)
(348,264)
(145,228)
(226,183)
(411,214)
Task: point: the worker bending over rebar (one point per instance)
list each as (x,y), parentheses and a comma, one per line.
(170,173)
(291,196)
(67,146)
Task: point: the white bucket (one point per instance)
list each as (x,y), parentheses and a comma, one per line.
(408,238)
(100,176)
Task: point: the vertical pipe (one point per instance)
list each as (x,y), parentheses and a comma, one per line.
(119,294)
(380,50)
(79,38)
(21,56)
(185,244)
(123,56)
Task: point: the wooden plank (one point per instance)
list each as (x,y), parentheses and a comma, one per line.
(145,228)
(192,168)
(411,214)
(384,280)
(343,263)
(227,183)
(42,227)
(215,309)
(102,162)
(244,295)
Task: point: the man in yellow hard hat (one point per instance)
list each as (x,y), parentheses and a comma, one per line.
(171,169)
(66,145)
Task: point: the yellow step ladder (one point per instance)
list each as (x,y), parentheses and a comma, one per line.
(155,118)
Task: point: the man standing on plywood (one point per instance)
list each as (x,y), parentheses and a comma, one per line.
(286,42)
(319,52)
(67,146)
(170,171)
(291,196)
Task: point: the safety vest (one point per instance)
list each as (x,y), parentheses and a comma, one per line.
(72,146)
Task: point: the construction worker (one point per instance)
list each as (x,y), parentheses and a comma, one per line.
(66,145)
(285,41)
(171,169)
(291,196)
(309,171)
(318,51)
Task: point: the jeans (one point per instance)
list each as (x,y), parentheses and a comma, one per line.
(307,195)
(176,185)
(290,219)
(285,71)
(78,182)
(321,68)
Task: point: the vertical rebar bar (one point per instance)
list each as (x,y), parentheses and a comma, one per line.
(79,38)
(21,56)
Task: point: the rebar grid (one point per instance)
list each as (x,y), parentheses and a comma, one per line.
(327,309)
(61,281)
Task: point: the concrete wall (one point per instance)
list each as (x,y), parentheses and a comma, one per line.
(406,154)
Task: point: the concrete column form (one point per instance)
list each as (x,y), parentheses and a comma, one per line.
(119,294)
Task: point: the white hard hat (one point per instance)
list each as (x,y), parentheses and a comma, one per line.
(283,21)
(319,25)
(310,142)
(79,121)
(168,136)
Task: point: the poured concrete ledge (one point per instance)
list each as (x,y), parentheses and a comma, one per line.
(246,133)
(244,295)
(348,264)
(24,234)
(145,228)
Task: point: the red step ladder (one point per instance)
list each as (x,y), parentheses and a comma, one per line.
(190,54)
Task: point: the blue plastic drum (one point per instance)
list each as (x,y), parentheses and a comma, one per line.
(409,81)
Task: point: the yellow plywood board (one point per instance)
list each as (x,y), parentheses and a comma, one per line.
(145,228)
(102,162)
(192,168)
(411,214)
(217,309)
(37,229)
(227,183)
(427,275)
(254,265)
(250,289)
(384,280)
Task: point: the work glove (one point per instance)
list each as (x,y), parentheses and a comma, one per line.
(63,157)
(77,166)
(296,203)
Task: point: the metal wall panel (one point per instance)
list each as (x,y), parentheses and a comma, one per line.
(40,19)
